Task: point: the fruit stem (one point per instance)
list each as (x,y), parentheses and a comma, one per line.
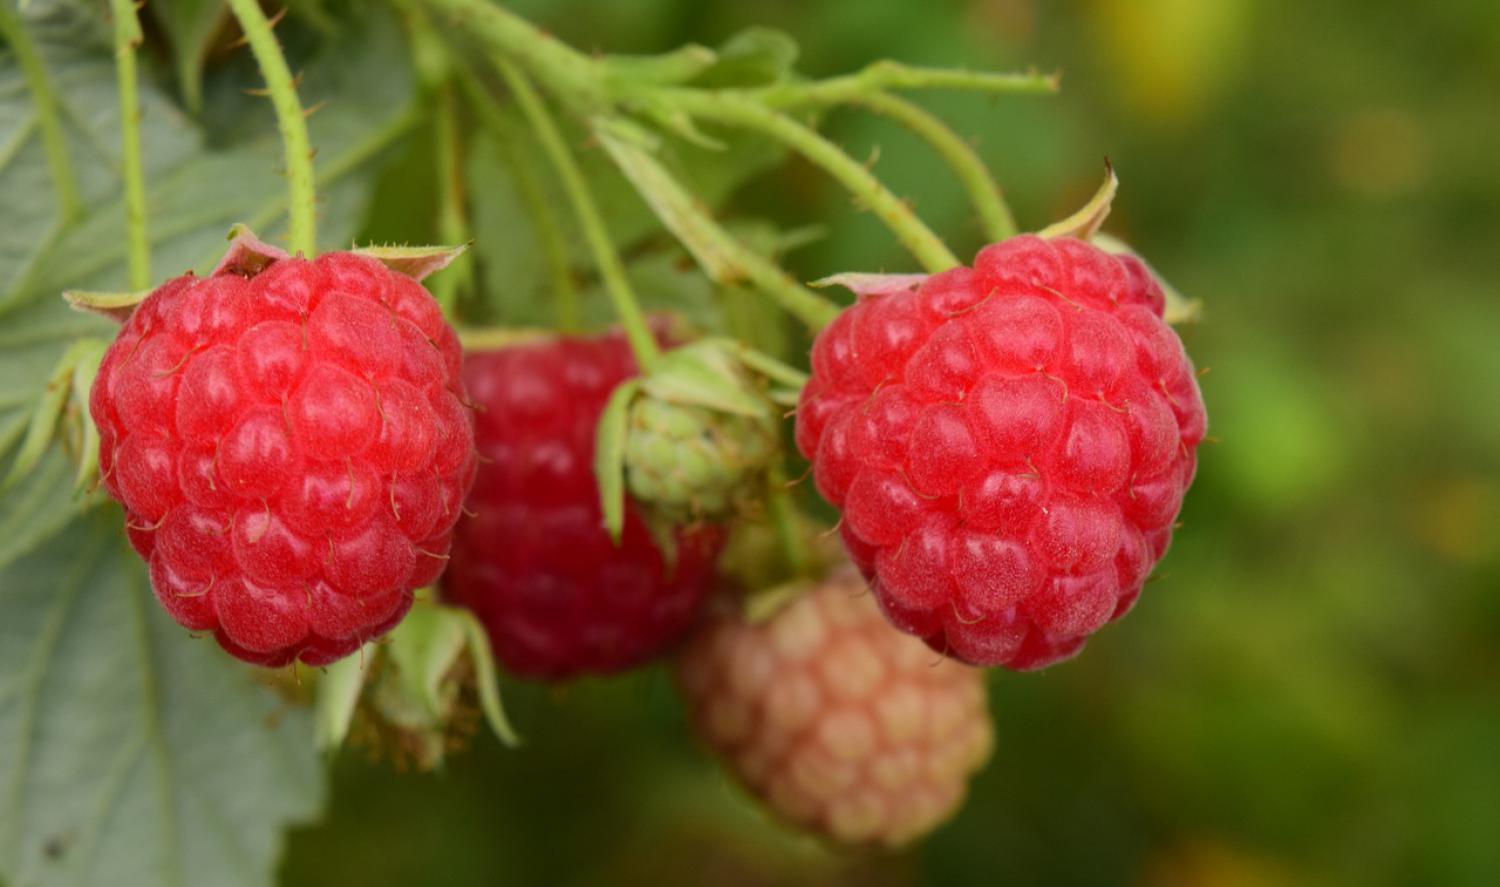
(995,218)
(538,208)
(627,308)
(290,119)
(48,112)
(885,75)
(738,110)
(576,78)
(787,520)
(453,225)
(721,256)
(127,38)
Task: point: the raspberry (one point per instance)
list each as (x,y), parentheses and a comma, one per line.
(1009,443)
(841,724)
(291,449)
(534,562)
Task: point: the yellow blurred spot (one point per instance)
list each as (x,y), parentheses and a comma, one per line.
(1212,863)
(1171,56)
(1457,519)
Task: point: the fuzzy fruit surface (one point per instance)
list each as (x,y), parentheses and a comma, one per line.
(1009,444)
(534,562)
(292,450)
(689,461)
(842,725)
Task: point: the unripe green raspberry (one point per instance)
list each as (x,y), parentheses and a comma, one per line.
(689,461)
(841,724)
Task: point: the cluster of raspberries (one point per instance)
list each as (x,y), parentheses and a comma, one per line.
(1009,445)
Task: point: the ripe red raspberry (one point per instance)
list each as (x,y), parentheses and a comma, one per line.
(291,448)
(533,560)
(841,724)
(1009,443)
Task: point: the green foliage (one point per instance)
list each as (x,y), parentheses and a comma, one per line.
(131,753)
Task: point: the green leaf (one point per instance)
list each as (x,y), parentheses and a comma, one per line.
(754,57)
(130,752)
(609,456)
(513,269)
(190,26)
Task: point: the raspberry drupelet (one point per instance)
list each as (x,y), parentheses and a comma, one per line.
(841,724)
(1009,445)
(534,563)
(292,448)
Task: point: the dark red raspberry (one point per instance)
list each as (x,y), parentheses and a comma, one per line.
(533,560)
(1009,443)
(291,449)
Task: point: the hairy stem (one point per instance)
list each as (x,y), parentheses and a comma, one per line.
(736,110)
(544,221)
(886,75)
(127,38)
(568,73)
(723,257)
(627,308)
(49,112)
(995,217)
(452,222)
(290,119)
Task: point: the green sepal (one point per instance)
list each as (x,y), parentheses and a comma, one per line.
(41,428)
(415,262)
(116,306)
(1084,223)
(486,681)
(91,354)
(1180,309)
(247,255)
(756,56)
(609,456)
(676,121)
(339,689)
(868,284)
(705,374)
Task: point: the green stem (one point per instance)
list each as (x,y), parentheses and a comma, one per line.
(723,258)
(290,119)
(573,76)
(737,110)
(127,38)
(49,113)
(538,208)
(995,217)
(453,226)
(627,309)
(887,75)
(787,521)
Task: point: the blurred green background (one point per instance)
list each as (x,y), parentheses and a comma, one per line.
(1308,692)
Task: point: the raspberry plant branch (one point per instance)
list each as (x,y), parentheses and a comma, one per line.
(729,108)
(544,221)
(885,75)
(995,218)
(722,257)
(290,119)
(452,221)
(627,308)
(127,38)
(48,110)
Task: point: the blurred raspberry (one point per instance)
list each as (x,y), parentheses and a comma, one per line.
(534,562)
(290,448)
(1009,443)
(842,725)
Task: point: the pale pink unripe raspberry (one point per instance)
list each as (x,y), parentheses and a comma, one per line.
(841,724)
